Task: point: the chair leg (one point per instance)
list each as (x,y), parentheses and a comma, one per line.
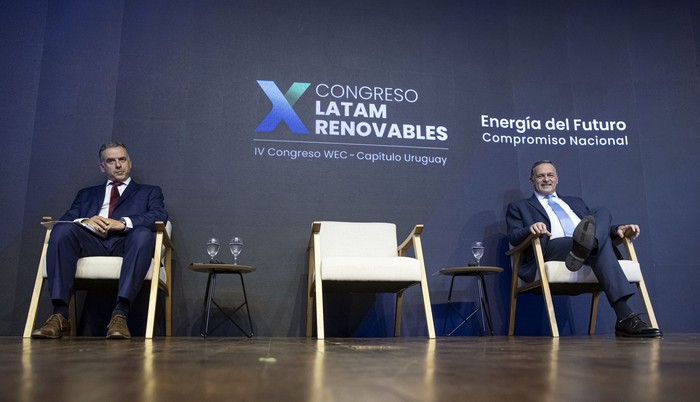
(34,304)
(36,293)
(309,313)
(310,300)
(168,313)
(513,300)
(152,301)
(397,313)
(644,294)
(73,315)
(428,308)
(549,304)
(168,292)
(511,320)
(594,313)
(320,334)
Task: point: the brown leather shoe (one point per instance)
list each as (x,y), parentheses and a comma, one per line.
(117,328)
(55,327)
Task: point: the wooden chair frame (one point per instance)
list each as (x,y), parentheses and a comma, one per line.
(162,243)
(315,285)
(547,289)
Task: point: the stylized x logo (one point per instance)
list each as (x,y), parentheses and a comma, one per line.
(282,107)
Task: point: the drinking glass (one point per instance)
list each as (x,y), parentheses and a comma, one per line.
(478,252)
(212,248)
(236,246)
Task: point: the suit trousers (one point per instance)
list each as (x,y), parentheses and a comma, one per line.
(69,242)
(603,260)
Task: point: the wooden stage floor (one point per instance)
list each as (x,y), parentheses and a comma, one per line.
(597,368)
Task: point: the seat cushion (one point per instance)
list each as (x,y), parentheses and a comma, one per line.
(109,267)
(104,268)
(558,273)
(370,269)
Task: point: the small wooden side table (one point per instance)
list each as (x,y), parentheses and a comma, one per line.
(213,270)
(484,307)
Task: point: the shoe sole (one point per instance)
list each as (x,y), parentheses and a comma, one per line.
(584,235)
(626,335)
(43,336)
(118,337)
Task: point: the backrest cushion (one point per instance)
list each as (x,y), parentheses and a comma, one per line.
(358,239)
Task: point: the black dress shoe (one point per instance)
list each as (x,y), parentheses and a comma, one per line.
(584,243)
(633,326)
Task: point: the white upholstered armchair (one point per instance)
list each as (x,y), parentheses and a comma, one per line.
(108,268)
(363,257)
(553,278)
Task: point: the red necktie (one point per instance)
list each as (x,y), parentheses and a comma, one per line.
(114,197)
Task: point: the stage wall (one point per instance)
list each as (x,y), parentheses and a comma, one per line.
(259,117)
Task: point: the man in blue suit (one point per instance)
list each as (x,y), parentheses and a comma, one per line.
(571,232)
(112,219)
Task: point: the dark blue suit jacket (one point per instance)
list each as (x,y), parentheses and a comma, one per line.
(141,203)
(522,214)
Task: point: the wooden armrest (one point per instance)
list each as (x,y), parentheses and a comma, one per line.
(417,230)
(629,234)
(315,228)
(523,245)
(160,227)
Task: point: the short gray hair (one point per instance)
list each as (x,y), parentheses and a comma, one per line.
(540,162)
(110,144)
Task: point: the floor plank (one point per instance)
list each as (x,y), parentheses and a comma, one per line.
(386,369)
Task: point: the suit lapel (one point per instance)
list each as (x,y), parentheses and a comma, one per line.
(574,205)
(535,202)
(99,197)
(128,192)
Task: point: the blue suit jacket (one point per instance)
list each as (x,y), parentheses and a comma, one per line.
(141,203)
(522,214)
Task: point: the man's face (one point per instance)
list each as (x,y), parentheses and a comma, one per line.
(116,164)
(544,178)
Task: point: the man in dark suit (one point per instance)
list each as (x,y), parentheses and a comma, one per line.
(571,232)
(122,216)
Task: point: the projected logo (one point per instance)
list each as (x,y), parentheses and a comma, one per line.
(282,107)
(346,121)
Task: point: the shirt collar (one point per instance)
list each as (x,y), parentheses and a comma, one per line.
(125,182)
(542,196)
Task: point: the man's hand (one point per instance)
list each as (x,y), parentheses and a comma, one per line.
(631,227)
(539,228)
(104,225)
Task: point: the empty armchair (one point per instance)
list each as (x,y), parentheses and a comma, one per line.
(363,257)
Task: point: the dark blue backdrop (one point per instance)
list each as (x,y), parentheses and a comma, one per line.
(177,81)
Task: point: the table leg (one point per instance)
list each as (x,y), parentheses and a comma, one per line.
(465,320)
(486,306)
(447,306)
(480,288)
(208,298)
(205,302)
(245,298)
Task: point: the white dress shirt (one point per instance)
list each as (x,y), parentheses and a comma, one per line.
(555,225)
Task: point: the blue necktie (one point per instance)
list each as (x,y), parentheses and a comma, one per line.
(566,223)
